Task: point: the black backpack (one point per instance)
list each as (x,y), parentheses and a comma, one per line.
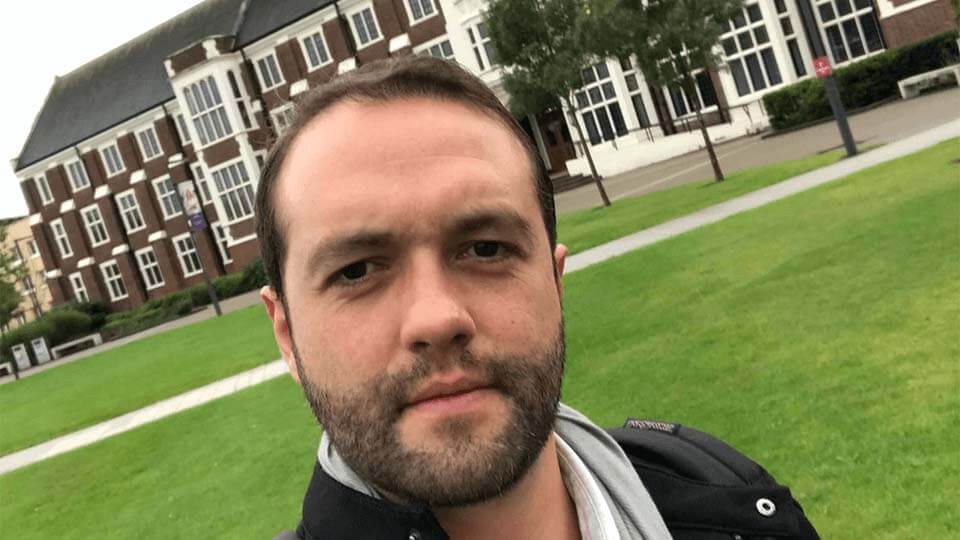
(707,490)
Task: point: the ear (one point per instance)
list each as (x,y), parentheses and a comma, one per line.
(559,260)
(281,329)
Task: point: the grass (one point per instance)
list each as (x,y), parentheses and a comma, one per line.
(585,229)
(818,334)
(129,377)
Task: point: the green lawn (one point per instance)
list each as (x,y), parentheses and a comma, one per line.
(585,229)
(132,376)
(818,334)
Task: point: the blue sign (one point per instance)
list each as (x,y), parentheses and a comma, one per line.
(197,223)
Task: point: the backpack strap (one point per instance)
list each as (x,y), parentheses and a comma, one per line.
(706,489)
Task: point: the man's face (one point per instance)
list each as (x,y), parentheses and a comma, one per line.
(423,313)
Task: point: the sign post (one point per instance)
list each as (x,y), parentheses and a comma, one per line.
(821,66)
(197,223)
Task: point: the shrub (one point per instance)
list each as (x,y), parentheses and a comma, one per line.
(229,285)
(97,310)
(56,326)
(150,314)
(862,83)
(254,275)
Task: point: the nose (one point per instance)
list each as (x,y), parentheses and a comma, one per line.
(437,319)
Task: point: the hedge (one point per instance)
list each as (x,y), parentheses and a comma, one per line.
(862,83)
(56,326)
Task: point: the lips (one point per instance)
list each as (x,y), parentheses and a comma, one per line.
(439,389)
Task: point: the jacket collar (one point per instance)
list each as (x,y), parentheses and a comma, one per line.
(332,510)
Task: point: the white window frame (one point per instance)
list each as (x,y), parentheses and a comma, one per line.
(234,187)
(755,50)
(436,45)
(110,280)
(77,173)
(220,237)
(125,213)
(856,14)
(408,6)
(359,10)
(61,239)
(95,226)
(43,189)
(310,37)
(149,133)
(280,117)
(108,152)
(183,254)
(203,184)
(272,83)
(147,268)
(79,287)
(182,128)
(594,94)
(207,111)
(481,46)
(33,247)
(162,197)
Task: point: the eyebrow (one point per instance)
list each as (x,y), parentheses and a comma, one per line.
(346,246)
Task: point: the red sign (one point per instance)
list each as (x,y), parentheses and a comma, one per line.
(822,67)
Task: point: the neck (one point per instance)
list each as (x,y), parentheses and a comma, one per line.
(537,507)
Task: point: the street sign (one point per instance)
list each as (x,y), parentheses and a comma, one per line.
(191,205)
(40,351)
(822,67)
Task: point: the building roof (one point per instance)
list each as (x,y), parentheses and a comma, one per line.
(131,79)
(265,16)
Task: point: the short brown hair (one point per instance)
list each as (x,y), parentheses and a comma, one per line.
(377,82)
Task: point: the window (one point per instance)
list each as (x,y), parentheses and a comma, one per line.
(797,58)
(316,49)
(201,179)
(168,197)
(43,188)
(439,50)
(221,236)
(749,53)
(78,175)
(34,250)
(28,287)
(149,268)
(149,145)
(111,159)
(365,26)
(235,191)
(482,48)
(60,237)
(630,77)
(187,253)
(21,319)
(182,129)
(130,211)
(114,281)
(850,28)
(597,101)
(420,9)
(79,289)
(207,111)
(93,221)
(269,72)
(281,118)
(238,97)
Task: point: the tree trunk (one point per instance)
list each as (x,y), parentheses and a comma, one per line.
(586,151)
(717,173)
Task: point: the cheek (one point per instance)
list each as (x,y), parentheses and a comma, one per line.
(523,313)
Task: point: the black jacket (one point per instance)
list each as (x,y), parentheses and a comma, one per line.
(704,489)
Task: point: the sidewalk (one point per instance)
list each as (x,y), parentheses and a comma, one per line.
(580,261)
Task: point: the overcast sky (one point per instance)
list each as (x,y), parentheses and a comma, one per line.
(43,38)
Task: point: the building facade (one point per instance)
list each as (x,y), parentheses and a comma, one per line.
(199,98)
(25,252)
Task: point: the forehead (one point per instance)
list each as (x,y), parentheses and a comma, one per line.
(399,163)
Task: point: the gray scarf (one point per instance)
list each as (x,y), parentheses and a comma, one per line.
(636,515)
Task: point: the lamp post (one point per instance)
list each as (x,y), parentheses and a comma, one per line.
(821,65)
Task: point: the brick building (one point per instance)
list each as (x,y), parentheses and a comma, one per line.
(24,252)
(197,99)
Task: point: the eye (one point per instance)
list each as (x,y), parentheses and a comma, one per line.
(486,249)
(354,273)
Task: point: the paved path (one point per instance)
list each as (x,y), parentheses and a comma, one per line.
(579,261)
(883,125)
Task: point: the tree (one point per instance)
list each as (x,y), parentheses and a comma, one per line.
(538,43)
(12,271)
(672,40)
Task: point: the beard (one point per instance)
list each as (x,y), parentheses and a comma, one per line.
(464,468)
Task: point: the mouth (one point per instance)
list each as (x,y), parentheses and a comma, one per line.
(448,397)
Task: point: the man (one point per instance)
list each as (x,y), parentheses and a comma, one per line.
(409,236)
